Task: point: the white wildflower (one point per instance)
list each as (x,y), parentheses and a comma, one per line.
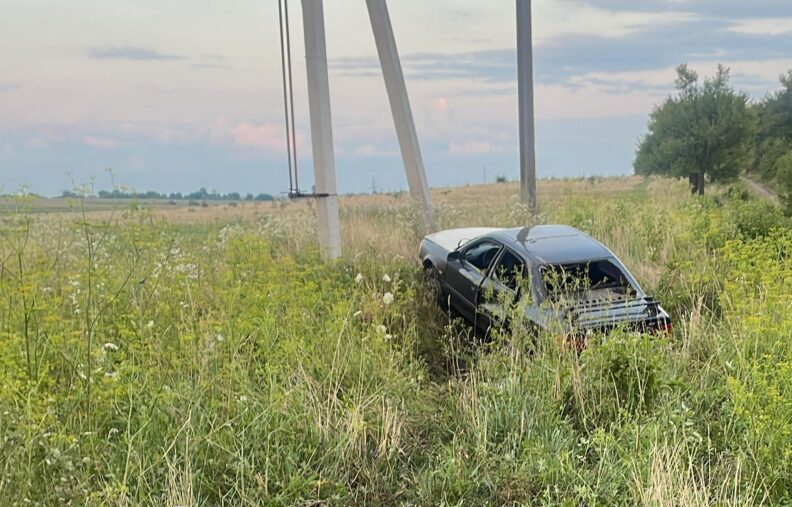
(220,337)
(387,336)
(386,278)
(359,278)
(243,399)
(381,329)
(110,347)
(387,298)
(150,324)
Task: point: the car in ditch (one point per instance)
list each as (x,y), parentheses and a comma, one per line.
(561,280)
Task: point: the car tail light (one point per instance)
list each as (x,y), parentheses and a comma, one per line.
(664,327)
(567,343)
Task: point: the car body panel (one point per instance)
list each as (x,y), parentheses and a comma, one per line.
(470,290)
(451,239)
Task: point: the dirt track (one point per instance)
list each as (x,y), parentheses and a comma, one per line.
(760,188)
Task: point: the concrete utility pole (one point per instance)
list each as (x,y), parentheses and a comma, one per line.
(321,129)
(400,107)
(526,105)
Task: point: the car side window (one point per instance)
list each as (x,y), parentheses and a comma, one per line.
(509,270)
(482,254)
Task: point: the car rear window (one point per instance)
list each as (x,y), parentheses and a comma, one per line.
(586,279)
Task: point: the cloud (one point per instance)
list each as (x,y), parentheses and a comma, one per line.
(130,53)
(162,134)
(100,142)
(562,57)
(719,8)
(763,26)
(440,105)
(268,136)
(469,148)
(370,150)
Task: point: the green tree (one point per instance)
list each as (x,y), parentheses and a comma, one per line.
(706,129)
(774,133)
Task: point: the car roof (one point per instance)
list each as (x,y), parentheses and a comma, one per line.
(552,244)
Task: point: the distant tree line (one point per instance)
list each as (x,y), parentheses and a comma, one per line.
(710,131)
(199,195)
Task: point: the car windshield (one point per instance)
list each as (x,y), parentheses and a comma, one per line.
(587,281)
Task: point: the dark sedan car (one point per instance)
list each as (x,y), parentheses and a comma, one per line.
(565,281)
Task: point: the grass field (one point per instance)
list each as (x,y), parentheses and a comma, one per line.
(205,356)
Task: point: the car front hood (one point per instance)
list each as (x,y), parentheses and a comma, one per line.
(451,239)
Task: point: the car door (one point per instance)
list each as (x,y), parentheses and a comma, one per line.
(499,289)
(465,273)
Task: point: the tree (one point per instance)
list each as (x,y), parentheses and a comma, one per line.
(706,129)
(774,133)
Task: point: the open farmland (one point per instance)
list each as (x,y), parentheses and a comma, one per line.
(205,356)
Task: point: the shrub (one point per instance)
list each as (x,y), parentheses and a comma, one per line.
(784,178)
(619,378)
(756,218)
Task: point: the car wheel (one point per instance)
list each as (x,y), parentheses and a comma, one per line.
(435,289)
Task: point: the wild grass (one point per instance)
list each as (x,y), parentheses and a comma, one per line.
(183,358)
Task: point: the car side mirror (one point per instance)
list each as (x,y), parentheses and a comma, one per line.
(454,256)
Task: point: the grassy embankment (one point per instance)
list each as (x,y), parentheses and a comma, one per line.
(206,357)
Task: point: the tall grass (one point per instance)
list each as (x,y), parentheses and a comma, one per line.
(150,359)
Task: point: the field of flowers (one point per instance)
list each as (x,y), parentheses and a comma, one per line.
(155,359)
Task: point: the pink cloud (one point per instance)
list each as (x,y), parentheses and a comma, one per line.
(99,142)
(267,136)
(440,105)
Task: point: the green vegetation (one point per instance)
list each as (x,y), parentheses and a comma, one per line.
(706,130)
(147,363)
(773,159)
(199,195)
(711,131)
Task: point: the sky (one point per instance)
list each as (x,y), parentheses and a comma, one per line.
(174,95)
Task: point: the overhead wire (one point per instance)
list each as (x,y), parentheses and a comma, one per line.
(288,96)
